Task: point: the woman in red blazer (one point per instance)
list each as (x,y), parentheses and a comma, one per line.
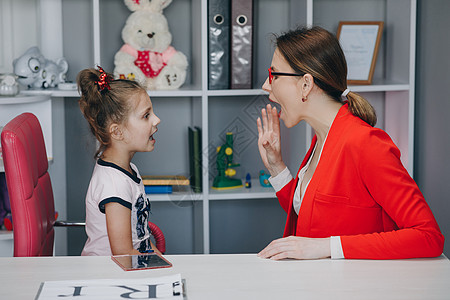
(352,197)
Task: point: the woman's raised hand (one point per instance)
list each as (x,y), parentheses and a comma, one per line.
(269,140)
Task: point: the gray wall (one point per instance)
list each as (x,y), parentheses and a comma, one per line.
(432,140)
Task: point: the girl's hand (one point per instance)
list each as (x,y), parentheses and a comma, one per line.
(269,140)
(297,247)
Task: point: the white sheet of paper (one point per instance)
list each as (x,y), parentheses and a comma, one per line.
(358,44)
(110,289)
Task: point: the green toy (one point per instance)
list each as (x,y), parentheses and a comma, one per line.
(223,180)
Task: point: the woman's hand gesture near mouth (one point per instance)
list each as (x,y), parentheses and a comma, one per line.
(269,142)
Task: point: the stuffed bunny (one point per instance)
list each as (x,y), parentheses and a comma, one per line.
(34,70)
(147,56)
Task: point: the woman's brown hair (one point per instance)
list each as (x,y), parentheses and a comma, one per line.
(317,52)
(104,106)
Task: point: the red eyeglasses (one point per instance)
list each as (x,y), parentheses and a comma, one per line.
(271,74)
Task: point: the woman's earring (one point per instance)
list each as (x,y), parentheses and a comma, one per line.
(304,99)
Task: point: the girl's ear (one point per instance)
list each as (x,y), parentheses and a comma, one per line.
(116,132)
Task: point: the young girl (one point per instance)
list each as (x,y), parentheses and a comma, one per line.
(121,117)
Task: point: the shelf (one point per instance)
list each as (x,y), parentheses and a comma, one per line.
(188,92)
(52,92)
(185,91)
(179,193)
(251,92)
(177,93)
(24,98)
(175,197)
(380,87)
(255,192)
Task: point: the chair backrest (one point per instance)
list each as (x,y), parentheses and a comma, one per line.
(29,186)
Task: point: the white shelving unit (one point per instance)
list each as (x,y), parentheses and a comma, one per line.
(216,111)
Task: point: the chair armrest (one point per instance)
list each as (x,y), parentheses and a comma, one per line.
(158,235)
(69,224)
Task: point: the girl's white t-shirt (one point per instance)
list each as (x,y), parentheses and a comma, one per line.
(111,183)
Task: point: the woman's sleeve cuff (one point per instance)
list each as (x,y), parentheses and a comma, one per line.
(336,248)
(279,181)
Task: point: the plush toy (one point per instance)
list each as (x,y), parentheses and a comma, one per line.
(147,55)
(34,70)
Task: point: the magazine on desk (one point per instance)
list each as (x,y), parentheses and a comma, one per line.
(163,287)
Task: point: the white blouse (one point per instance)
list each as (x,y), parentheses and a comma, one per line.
(284,177)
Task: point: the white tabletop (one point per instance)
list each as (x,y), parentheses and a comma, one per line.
(247,276)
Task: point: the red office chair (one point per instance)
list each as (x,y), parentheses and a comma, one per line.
(30,189)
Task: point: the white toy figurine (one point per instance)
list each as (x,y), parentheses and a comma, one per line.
(147,56)
(34,70)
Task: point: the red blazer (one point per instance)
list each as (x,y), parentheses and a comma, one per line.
(361,192)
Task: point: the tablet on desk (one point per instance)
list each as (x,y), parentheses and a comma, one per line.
(141,261)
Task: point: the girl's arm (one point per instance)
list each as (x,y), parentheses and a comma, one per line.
(119,229)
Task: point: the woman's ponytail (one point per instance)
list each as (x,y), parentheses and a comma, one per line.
(361,108)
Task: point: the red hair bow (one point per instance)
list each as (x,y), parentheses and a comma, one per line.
(103,83)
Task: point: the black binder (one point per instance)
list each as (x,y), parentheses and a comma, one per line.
(241,44)
(219,13)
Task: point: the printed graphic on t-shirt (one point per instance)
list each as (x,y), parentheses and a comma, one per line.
(144,246)
(142,207)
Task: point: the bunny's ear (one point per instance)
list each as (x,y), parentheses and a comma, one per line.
(163,3)
(159,5)
(134,5)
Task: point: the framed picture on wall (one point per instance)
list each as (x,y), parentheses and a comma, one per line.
(360,41)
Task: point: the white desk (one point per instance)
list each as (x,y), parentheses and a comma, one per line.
(248,277)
